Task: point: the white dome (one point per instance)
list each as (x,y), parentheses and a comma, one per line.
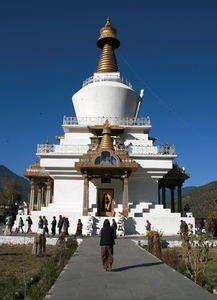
(106,99)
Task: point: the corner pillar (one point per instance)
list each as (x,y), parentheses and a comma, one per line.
(85,195)
(125,195)
(180,198)
(48,192)
(172,199)
(158,194)
(39,197)
(32,195)
(164,196)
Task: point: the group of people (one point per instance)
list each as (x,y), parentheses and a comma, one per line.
(21,224)
(107,234)
(43,225)
(62,225)
(9,222)
(207,227)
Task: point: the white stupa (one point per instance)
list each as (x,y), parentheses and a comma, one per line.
(105,164)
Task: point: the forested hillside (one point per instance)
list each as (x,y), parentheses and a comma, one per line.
(7,176)
(202,200)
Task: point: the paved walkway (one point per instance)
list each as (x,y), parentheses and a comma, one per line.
(136,275)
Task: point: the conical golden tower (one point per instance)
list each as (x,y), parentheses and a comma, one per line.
(107,42)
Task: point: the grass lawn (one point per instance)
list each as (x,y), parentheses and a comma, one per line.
(211,268)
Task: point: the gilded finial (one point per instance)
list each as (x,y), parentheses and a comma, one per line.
(108,22)
(108,42)
(108,35)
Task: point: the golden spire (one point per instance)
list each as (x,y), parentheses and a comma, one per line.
(107,42)
(106,142)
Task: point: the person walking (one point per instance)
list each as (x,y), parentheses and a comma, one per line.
(53,225)
(60,223)
(45,225)
(212,227)
(67,226)
(79,228)
(186,209)
(29,225)
(40,222)
(107,242)
(20,225)
(8,223)
(207,227)
(148,225)
(63,227)
(114,226)
(183,230)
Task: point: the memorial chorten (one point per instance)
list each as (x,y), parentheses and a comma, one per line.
(105,164)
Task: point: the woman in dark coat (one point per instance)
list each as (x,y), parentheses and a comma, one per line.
(107,242)
(53,225)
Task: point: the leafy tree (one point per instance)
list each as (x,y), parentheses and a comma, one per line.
(213,215)
(11,193)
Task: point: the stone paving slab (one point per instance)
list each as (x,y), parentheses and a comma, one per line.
(136,275)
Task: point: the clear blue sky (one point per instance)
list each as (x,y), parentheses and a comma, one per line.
(169,48)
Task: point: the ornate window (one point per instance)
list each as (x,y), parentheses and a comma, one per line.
(105,158)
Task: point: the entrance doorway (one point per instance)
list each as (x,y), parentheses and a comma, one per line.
(106,202)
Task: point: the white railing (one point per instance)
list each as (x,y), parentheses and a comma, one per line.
(167,150)
(35,170)
(112,120)
(71,149)
(107,77)
(130,149)
(46,148)
(150,150)
(143,150)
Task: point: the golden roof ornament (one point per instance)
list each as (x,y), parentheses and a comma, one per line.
(108,42)
(106,128)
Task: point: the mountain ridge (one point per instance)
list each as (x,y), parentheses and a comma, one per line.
(7,175)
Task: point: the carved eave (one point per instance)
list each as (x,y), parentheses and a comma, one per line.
(174,177)
(37,172)
(60,137)
(98,129)
(30,174)
(123,164)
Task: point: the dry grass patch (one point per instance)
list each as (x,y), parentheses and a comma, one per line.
(31,276)
(174,258)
